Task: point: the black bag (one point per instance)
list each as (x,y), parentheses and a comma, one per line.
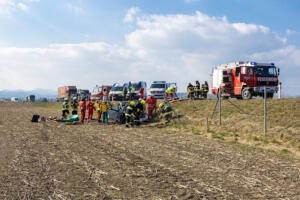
(35,118)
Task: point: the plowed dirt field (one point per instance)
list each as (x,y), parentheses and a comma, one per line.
(55,161)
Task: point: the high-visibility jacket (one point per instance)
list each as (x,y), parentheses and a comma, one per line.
(166,110)
(129,111)
(132,90)
(74,105)
(90,106)
(65,106)
(97,106)
(103,107)
(83,105)
(151,103)
(205,88)
(190,89)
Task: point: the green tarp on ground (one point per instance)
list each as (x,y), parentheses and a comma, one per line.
(73,118)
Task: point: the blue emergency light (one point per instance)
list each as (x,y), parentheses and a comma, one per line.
(253,63)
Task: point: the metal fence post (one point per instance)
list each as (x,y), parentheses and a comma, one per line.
(265,110)
(220,108)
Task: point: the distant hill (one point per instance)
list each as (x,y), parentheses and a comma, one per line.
(21,94)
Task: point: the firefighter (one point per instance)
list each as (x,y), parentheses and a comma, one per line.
(205,89)
(151,105)
(124,93)
(141,93)
(74,106)
(129,114)
(139,109)
(98,109)
(166,112)
(190,90)
(170,91)
(131,93)
(197,89)
(82,109)
(104,107)
(65,108)
(90,108)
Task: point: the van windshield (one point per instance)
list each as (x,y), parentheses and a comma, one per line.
(158,86)
(265,71)
(115,89)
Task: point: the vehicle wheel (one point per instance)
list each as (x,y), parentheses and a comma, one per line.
(246,94)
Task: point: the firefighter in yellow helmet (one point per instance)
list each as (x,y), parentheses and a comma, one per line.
(140,109)
(65,108)
(166,111)
(129,114)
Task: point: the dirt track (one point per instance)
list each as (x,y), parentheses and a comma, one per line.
(54,161)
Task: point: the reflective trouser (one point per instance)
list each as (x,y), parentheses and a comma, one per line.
(129,119)
(90,114)
(168,116)
(99,116)
(82,116)
(105,117)
(167,94)
(150,112)
(65,113)
(74,112)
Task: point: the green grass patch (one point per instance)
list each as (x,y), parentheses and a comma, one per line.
(285,151)
(274,141)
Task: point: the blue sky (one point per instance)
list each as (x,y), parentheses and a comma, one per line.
(158,40)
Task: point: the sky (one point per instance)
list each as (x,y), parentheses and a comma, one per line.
(50,43)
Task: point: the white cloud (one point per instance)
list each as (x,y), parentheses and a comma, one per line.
(75,9)
(22,7)
(179,48)
(130,15)
(9,6)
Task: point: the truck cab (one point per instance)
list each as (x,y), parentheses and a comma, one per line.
(116,92)
(99,91)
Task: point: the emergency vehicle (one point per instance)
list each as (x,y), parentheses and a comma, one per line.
(245,80)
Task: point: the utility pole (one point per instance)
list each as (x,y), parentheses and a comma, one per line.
(265,113)
(220,108)
(279,90)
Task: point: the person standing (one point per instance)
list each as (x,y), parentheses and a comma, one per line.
(98,109)
(132,92)
(104,107)
(90,109)
(82,109)
(151,105)
(74,106)
(141,93)
(125,93)
(65,108)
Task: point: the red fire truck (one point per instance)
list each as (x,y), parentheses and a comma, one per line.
(244,80)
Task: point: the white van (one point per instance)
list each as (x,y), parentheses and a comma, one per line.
(158,88)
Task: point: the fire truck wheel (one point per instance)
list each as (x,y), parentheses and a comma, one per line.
(246,94)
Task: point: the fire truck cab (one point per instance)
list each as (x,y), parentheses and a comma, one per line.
(245,80)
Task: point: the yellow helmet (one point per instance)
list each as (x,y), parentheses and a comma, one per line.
(143,102)
(132,103)
(161,105)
